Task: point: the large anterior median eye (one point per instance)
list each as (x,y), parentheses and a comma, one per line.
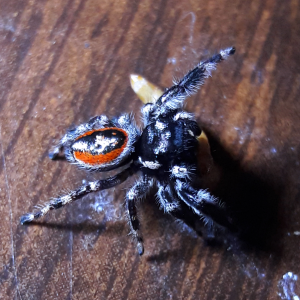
(100,146)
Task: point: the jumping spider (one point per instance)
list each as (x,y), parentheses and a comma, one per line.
(164,153)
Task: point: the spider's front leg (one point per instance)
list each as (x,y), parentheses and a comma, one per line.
(93,186)
(201,201)
(170,203)
(204,204)
(138,191)
(175,96)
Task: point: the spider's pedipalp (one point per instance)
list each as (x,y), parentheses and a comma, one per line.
(167,201)
(183,171)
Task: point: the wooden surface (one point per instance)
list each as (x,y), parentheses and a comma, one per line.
(62,62)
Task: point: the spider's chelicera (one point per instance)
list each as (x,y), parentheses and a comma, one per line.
(164,153)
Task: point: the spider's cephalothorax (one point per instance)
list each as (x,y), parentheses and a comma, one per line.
(164,153)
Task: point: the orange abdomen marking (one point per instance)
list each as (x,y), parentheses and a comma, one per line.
(100,146)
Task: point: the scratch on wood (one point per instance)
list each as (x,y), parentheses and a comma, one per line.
(11,217)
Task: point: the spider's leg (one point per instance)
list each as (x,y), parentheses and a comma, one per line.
(135,193)
(169,201)
(203,204)
(56,153)
(166,198)
(77,194)
(174,97)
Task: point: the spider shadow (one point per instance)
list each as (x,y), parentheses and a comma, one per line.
(253,201)
(82,227)
(85,227)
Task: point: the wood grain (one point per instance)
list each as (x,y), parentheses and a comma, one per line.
(62,62)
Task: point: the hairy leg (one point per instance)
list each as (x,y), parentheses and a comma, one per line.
(138,191)
(174,97)
(77,194)
(204,204)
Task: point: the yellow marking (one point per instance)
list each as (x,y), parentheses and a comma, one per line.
(145,90)
(205,160)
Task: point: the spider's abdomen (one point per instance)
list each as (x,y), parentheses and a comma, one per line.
(100,146)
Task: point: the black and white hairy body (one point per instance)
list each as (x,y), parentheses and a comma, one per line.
(164,153)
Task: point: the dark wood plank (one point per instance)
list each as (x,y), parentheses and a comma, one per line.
(63,62)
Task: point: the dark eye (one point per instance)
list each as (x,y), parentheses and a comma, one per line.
(100,146)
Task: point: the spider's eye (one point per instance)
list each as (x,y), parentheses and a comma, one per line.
(98,147)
